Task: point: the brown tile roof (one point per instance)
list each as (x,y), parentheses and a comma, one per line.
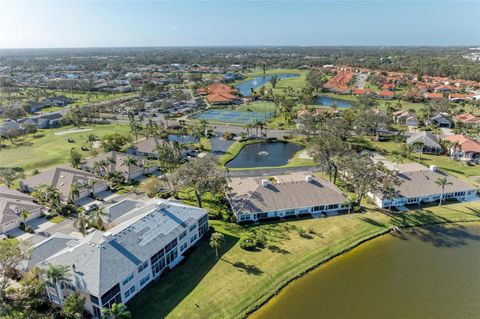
(466,144)
(288,192)
(468,118)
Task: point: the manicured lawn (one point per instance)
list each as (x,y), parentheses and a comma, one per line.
(45,149)
(240,281)
(57,219)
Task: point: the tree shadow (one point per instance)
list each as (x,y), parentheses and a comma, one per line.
(278,250)
(249,269)
(371,221)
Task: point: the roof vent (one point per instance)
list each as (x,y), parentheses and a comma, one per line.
(433,168)
(107,236)
(309,178)
(264,182)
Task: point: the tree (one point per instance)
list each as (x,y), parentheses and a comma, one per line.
(73,306)
(9,175)
(363,175)
(397,159)
(81,223)
(151,186)
(407,150)
(97,217)
(128,162)
(442,182)
(273,81)
(91,139)
(11,133)
(169,155)
(33,289)
(326,149)
(114,142)
(75,158)
(118,311)
(12,253)
(315,79)
(74,191)
(57,274)
(24,214)
(369,121)
(216,241)
(203,175)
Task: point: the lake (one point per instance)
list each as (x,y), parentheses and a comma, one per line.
(431,272)
(264,155)
(329,101)
(245,87)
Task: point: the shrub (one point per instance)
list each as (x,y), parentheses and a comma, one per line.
(248,244)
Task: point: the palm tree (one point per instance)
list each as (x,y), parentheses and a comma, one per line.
(442,182)
(57,274)
(74,191)
(397,159)
(129,161)
(407,150)
(91,139)
(24,214)
(97,217)
(99,167)
(216,242)
(118,311)
(81,223)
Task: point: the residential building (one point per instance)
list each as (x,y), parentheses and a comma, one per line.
(115,161)
(425,142)
(62,178)
(433,96)
(418,186)
(387,95)
(114,266)
(12,203)
(405,118)
(440,120)
(219,93)
(259,198)
(464,148)
(468,119)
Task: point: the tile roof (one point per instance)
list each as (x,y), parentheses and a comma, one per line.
(288,192)
(466,144)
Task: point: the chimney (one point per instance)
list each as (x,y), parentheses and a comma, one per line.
(309,178)
(433,168)
(107,236)
(264,182)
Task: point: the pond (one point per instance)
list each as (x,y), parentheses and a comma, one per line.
(182,139)
(264,155)
(329,101)
(246,87)
(430,272)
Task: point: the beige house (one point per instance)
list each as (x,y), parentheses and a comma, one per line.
(12,203)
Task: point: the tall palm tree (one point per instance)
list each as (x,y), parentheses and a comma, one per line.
(99,167)
(442,182)
(74,191)
(118,311)
(129,161)
(81,223)
(97,217)
(397,159)
(407,150)
(58,274)
(216,242)
(24,214)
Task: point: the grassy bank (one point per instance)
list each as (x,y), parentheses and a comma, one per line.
(46,148)
(240,281)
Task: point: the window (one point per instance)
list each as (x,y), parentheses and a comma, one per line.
(333,206)
(318,208)
(143,266)
(171,255)
(94,299)
(130,292)
(182,235)
(303,211)
(244,217)
(96,312)
(193,227)
(144,280)
(112,296)
(128,279)
(290,212)
(183,247)
(262,215)
(193,239)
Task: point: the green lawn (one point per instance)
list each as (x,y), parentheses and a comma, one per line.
(45,149)
(57,219)
(240,281)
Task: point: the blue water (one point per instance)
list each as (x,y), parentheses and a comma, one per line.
(278,154)
(237,117)
(329,101)
(245,87)
(182,139)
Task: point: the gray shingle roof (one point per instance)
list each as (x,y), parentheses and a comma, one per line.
(289,192)
(11,204)
(426,138)
(49,247)
(115,162)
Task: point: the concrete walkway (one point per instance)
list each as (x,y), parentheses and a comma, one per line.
(271,171)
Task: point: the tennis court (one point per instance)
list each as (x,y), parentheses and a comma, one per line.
(236,117)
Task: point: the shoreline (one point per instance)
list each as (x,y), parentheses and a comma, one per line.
(342,252)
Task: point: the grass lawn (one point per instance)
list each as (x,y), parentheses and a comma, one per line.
(45,149)
(57,219)
(240,281)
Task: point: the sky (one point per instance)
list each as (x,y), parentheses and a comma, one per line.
(61,24)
